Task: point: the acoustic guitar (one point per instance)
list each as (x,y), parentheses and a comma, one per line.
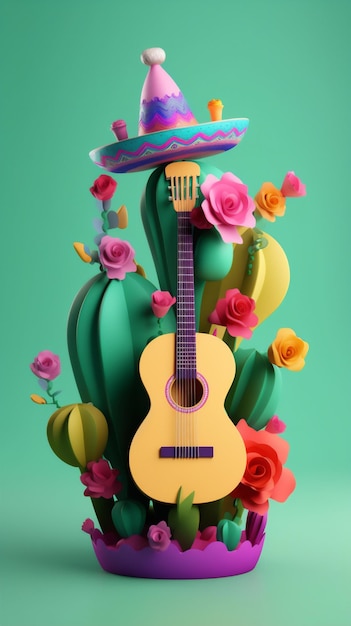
(187,439)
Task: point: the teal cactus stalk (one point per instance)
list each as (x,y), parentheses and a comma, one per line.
(109,324)
(256,389)
(129,517)
(229,532)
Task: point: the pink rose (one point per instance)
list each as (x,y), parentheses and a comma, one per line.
(264,477)
(292,186)
(101,481)
(116,256)
(161,302)
(159,536)
(227,205)
(46,365)
(236,312)
(104,187)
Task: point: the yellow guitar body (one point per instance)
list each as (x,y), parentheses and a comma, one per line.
(195,447)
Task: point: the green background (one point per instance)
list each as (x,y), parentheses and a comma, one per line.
(68,70)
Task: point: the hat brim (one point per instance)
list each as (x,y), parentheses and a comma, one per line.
(148,151)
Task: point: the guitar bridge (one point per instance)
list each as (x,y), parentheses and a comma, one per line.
(186,452)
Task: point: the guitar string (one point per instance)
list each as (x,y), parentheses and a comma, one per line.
(191,359)
(186,431)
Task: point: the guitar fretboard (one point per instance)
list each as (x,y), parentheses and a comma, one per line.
(186,326)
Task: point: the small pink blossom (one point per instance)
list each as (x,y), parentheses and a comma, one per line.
(46,365)
(227,205)
(161,302)
(104,187)
(236,312)
(275,425)
(101,481)
(292,186)
(159,536)
(88,526)
(117,257)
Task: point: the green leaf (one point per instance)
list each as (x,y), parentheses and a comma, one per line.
(184,519)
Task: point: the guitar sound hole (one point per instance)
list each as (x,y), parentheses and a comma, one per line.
(186,393)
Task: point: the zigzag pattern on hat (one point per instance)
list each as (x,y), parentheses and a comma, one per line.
(164,113)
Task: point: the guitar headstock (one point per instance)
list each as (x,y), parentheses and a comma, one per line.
(183,185)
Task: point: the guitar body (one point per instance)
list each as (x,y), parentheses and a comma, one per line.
(193,445)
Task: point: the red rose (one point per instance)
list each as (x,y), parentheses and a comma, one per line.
(100,480)
(235,311)
(264,477)
(104,187)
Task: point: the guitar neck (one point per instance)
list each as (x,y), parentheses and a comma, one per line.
(186,325)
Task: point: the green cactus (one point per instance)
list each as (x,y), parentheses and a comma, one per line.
(256,389)
(229,532)
(77,433)
(109,324)
(129,517)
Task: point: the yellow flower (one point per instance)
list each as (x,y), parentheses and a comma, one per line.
(122,216)
(288,350)
(79,248)
(38,399)
(140,270)
(270,202)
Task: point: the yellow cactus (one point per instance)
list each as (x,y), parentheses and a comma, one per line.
(77,433)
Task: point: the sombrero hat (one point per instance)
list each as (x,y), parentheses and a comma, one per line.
(168,130)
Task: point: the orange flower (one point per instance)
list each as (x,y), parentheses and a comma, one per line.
(270,202)
(81,251)
(37,399)
(288,350)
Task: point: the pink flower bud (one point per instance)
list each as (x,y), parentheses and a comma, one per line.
(161,302)
(292,186)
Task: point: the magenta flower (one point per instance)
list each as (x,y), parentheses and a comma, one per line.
(236,312)
(255,527)
(275,425)
(104,187)
(100,480)
(117,257)
(198,219)
(292,186)
(161,302)
(227,205)
(46,365)
(159,536)
(88,526)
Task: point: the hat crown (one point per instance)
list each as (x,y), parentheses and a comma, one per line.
(162,104)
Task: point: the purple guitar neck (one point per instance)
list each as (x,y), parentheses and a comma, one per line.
(186,325)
